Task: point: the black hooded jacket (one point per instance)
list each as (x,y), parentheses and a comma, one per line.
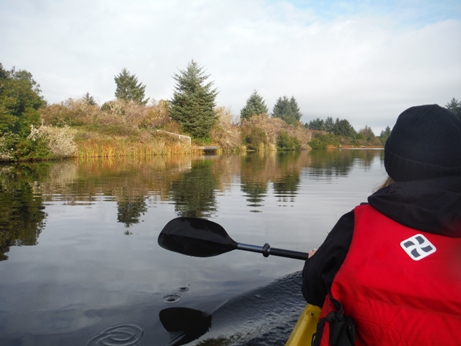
(432,206)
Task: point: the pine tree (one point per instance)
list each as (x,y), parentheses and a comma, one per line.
(367,132)
(193,101)
(255,106)
(287,110)
(454,106)
(295,109)
(316,124)
(385,133)
(344,128)
(129,89)
(329,124)
(89,100)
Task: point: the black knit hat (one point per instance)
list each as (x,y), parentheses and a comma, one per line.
(425,143)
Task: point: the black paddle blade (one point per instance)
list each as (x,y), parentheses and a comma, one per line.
(184,324)
(195,237)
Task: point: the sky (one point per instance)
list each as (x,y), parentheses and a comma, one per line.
(364,61)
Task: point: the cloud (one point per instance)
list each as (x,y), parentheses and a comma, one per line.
(349,60)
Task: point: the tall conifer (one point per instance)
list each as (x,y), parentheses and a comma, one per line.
(454,106)
(193,102)
(255,106)
(128,88)
(287,109)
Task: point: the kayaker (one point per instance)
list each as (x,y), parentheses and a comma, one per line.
(389,272)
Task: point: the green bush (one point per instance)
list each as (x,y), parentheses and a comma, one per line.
(254,138)
(323,140)
(287,142)
(16,148)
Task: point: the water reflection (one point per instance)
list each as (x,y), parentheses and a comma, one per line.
(194,191)
(335,162)
(286,187)
(130,210)
(252,311)
(190,184)
(22,218)
(122,335)
(88,283)
(254,176)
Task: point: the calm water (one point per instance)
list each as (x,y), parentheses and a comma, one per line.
(80,263)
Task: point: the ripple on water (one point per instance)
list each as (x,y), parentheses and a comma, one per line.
(171,298)
(120,335)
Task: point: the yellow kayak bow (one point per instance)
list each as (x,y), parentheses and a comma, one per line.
(305,327)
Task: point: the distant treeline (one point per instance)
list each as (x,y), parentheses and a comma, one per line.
(30,129)
(342,128)
(332,129)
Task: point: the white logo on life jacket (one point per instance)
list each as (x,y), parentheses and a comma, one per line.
(418,247)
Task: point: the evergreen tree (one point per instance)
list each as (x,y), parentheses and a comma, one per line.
(255,106)
(367,132)
(295,109)
(454,106)
(128,88)
(89,100)
(316,124)
(343,128)
(385,133)
(193,101)
(287,110)
(329,125)
(3,72)
(19,101)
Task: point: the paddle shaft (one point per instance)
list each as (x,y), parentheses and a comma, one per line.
(266,250)
(203,238)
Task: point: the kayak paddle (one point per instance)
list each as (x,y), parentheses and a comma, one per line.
(184,324)
(203,238)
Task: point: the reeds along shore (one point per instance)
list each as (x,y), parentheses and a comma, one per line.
(124,148)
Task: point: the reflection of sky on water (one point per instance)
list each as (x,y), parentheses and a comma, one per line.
(88,274)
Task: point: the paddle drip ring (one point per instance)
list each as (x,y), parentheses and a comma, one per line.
(121,335)
(171,298)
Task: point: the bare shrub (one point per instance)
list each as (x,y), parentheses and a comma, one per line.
(134,115)
(225,132)
(60,140)
(302,134)
(105,119)
(273,127)
(157,114)
(112,116)
(172,126)
(70,112)
(145,137)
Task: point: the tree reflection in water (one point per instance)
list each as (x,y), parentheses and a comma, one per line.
(254,178)
(194,191)
(336,162)
(130,210)
(190,183)
(22,218)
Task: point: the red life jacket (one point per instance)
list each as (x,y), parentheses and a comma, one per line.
(400,286)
